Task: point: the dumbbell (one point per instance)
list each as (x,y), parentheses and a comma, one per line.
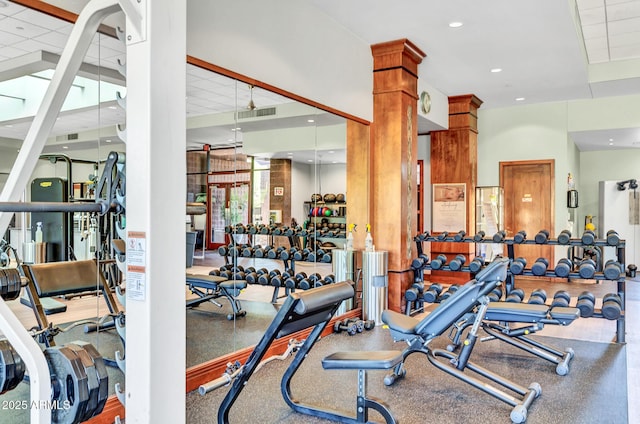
(457,263)
(537,297)
(450,291)
(439,262)
(305,284)
(520,237)
(431,294)
(561,298)
(517,265)
(349,326)
(515,296)
(275,253)
(300,255)
(314,277)
(495,295)
(286,254)
(631,270)
(499,236)
(442,236)
(239,275)
(329,279)
(613,238)
(564,237)
(476,264)
(587,268)
(542,237)
(412,295)
(459,236)
(613,270)
(586,304)
(421,237)
(420,262)
(479,236)
(611,306)
(563,268)
(540,266)
(588,237)
(261,252)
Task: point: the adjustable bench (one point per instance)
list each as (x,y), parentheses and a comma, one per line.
(314,308)
(469,301)
(64,278)
(210,287)
(536,316)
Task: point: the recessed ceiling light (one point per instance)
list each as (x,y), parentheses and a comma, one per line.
(455,24)
(19,28)
(108,140)
(111,107)
(610,144)
(331,151)
(9,126)
(310,121)
(496,70)
(611,139)
(309,160)
(519,99)
(65,147)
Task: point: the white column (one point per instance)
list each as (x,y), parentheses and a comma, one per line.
(156,198)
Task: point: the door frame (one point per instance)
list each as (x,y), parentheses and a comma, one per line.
(552,193)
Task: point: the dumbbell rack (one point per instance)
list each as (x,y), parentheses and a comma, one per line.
(510,281)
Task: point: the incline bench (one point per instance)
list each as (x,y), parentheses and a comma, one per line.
(210,287)
(314,308)
(64,278)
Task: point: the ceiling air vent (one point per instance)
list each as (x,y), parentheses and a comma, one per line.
(67,137)
(256,113)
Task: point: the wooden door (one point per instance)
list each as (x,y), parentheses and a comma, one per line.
(529,204)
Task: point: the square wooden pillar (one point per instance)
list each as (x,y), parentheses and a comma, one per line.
(394,159)
(454,159)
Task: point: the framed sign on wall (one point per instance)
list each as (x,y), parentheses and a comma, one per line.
(449,207)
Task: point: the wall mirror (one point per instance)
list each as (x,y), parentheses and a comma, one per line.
(255,158)
(69,171)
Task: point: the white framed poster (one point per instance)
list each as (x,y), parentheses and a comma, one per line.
(449,206)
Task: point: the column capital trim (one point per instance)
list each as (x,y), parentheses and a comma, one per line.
(400,53)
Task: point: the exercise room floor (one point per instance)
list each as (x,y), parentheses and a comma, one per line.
(591,329)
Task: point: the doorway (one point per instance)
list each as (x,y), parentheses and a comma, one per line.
(529,204)
(229,204)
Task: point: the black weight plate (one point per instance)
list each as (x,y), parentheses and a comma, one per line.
(101,373)
(14,291)
(72,392)
(11,367)
(92,379)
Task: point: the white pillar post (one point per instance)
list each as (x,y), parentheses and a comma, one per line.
(156,198)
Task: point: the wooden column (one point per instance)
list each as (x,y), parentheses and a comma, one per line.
(280,176)
(454,159)
(394,159)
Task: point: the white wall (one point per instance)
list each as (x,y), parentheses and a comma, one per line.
(526,133)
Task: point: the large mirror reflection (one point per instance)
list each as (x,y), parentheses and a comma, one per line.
(266,198)
(266,206)
(58,247)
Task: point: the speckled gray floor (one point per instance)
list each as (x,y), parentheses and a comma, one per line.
(427,395)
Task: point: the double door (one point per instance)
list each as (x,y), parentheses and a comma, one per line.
(229,204)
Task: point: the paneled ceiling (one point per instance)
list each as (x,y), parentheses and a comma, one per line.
(544,49)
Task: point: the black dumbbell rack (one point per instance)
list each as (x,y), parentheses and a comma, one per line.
(510,282)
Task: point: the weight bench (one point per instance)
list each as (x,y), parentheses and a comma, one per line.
(211,287)
(314,308)
(534,317)
(468,301)
(65,278)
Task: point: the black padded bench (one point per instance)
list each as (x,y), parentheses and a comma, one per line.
(64,278)
(500,315)
(211,287)
(313,308)
(362,361)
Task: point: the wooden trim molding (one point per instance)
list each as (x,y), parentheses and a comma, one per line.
(257,83)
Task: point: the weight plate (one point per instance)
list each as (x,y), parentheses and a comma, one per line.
(11,367)
(92,379)
(70,385)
